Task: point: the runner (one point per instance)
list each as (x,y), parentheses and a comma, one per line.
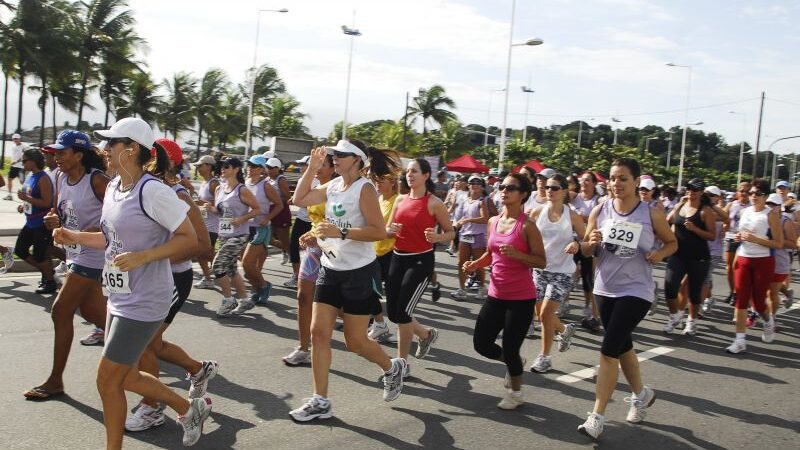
(207,168)
(149,413)
(412,222)
(80,187)
(255,254)
(734,210)
(17,170)
(715,248)
(455,198)
(281,223)
(387,196)
(515,246)
(349,277)
(558,225)
(622,232)
(583,204)
(474,213)
(143,225)
(235,205)
(783,258)
(301,226)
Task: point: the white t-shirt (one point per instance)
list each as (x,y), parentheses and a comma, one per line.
(16,155)
(162,205)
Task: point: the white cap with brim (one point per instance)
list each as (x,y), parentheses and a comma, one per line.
(205,159)
(346,147)
(132,128)
(303,160)
(274,162)
(783,184)
(16,136)
(647,183)
(775,199)
(713,190)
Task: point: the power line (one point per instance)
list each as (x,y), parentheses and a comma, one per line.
(783,101)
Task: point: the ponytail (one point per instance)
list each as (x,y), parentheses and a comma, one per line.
(91,160)
(381,162)
(240,176)
(157,166)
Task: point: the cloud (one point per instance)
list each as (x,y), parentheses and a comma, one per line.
(638,40)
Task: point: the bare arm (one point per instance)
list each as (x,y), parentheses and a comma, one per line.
(374,230)
(303,194)
(181,246)
(199,225)
(275,199)
(439,211)
(664,234)
(250,200)
(789,234)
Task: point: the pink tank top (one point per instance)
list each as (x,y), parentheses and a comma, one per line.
(510,278)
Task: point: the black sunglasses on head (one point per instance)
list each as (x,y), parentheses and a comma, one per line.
(757,193)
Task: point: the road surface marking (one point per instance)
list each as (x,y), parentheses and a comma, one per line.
(590,372)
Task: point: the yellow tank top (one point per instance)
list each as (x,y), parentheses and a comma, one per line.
(385,246)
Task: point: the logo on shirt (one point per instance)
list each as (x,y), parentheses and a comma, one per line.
(338,210)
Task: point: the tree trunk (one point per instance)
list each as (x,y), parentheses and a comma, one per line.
(5,120)
(82,95)
(55,126)
(19,106)
(199,137)
(43,108)
(108,111)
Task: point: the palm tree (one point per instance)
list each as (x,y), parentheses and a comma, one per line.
(282,118)
(177,111)
(390,135)
(105,22)
(213,87)
(65,90)
(21,36)
(8,64)
(117,66)
(429,104)
(267,85)
(139,99)
(230,121)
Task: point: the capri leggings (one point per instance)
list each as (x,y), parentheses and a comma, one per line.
(620,316)
(225,263)
(299,228)
(677,268)
(587,271)
(751,278)
(407,280)
(513,317)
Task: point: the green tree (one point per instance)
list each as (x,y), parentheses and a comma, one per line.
(430,105)
(177,111)
(230,121)
(139,99)
(282,117)
(117,66)
(213,87)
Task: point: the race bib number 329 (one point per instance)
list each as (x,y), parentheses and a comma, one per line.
(623,234)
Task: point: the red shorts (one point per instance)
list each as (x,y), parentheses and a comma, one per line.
(779,277)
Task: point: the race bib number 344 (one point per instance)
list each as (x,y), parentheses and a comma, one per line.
(623,234)
(115,280)
(225,226)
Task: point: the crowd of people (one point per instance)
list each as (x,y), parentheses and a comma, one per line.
(127,223)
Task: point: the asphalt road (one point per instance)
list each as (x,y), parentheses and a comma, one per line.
(706,398)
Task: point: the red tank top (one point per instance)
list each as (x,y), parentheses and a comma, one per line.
(414,216)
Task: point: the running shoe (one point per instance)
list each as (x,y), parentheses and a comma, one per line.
(61,269)
(393,380)
(512,400)
(7,197)
(145,417)
(424,345)
(691,327)
(313,408)
(591,324)
(738,346)
(263,294)
(482,293)
(708,304)
(285,259)
(192,422)
(291,284)
(731,300)
(436,292)
(228,305)
(531,331)
(673,320)
(752,319)
(244,306)
(297,357)
(789,298)
(459,295)
(96,337)
(563,309)
(198,383)
(653,307)
(593,426)
(388,338)
(377,330)
(205,283)
(48,287)
(639,404)
(472,284)
(566,337)
(541,364)
(768,335)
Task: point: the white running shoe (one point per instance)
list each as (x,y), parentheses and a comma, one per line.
(228,305)
(424,345)
(297,357)
(96,337)
(673,320)
(566,337)
(312,408)
(285,259)
(542,364)
(639,404)
(768,334)
(738,346)
(512,400)
(459,295)
(377,330)
(205,283)
(244,306)
(192,422)
(593,426)
(708,304)
(145,417)
(393,380)
(691,327)
(199,381)
(61,269)
(291,284)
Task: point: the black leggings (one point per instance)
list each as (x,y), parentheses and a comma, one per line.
(406,282)
(40,238)
(697,271)
(513,317)
(620,316)
(299,228)
(587,271)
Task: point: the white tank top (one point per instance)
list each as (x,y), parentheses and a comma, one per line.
(556,236)
(758,224)
(343,209)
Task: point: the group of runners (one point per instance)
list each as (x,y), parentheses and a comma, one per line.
(128,223)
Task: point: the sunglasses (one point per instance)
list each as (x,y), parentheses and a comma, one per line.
(338,154)
(553,188)
(771,204)
(476,183)
(508,187)
(115,141)
(644,189)
(757,193)
(227,166)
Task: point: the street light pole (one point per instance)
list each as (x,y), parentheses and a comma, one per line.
(741,145)
(489,117)
(527,90)
(254,72)
(775,157)
(615,120)
(352,32)
(669,150)
(685,119)
(580,131)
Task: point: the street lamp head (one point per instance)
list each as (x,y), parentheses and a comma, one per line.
(534,41)
(614,119)
(350,31)
(283,10)
(699,122)
(527,90)
(671,64)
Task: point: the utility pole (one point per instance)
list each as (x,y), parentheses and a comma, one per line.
(758,134)
(405,124)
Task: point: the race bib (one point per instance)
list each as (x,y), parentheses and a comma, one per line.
(622,238)
(114,280)
(468,238)
(73,249)
(730,236)
(329,247)
(27,208)
(204,212)
(225,226)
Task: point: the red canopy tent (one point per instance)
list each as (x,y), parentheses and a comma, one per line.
(533,164)
(466,164)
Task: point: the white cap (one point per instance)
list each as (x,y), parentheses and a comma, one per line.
(791,195)
(102,145)
(776,199)
(268,154)
(274,162)
(346,147)
(205,159)
(16,136)
(647,183)
(132,128)
(303,160)
(713,190)
(546,173)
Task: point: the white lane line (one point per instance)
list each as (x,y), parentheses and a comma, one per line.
(590,372)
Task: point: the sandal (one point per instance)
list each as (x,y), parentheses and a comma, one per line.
(39,393)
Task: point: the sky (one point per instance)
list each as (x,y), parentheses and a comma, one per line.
(600,58)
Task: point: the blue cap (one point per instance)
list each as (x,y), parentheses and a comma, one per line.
(258,160)
(783,184)
(72,138)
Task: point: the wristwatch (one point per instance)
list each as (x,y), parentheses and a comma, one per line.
(344,232)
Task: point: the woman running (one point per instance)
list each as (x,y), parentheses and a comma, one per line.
(282,222)
(309,270)
(621,232)
(143,225)
(260,231)
(412,223)
(207,168)
(760,233)
(80,187)
(474,214)
(236,206)
(301,226)
(693,224)
(349,278)
(559,226)
(734,210)
(583,204)
(387,196)
(783,256)
(515,246)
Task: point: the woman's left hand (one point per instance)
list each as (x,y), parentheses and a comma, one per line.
(130,260)
(654,257)
(431,235)
(328,230)
(572,248)
(509,250)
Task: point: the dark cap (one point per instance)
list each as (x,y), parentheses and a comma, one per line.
(696,184)
(72,139)
(233,162)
